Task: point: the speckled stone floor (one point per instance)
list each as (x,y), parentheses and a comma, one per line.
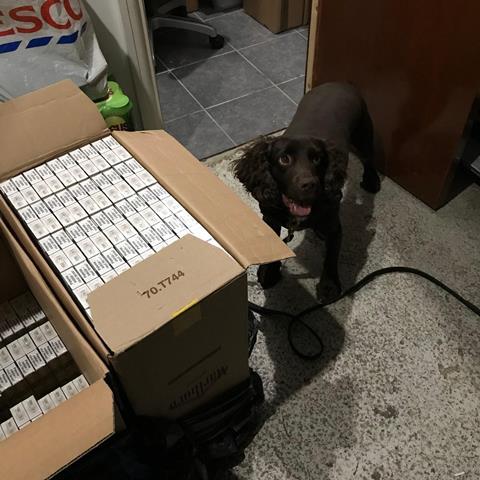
(397,393)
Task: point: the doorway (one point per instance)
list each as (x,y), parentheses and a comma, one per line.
(216,99)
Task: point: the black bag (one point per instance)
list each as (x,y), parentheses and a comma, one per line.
(208,441)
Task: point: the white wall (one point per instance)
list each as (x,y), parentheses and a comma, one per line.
(120,27)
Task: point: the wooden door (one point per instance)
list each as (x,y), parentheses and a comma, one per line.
(418,66)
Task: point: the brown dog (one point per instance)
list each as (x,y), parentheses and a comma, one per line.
(297,178)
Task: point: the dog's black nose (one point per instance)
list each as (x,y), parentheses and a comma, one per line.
(308,185)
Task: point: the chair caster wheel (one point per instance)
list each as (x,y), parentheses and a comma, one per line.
(217,42)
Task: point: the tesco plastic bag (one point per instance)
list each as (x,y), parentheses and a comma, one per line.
(45,41)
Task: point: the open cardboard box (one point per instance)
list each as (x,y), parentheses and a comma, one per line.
(76,426)
(180,348)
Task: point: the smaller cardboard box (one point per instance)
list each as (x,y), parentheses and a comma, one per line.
(174,326)
(279,15)
(56,439)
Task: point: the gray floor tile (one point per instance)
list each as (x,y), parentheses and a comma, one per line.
(241,30)
(199,134)
(280,59)
(256,114)
(175,101)
(176,47)
(295,89)
(221,79)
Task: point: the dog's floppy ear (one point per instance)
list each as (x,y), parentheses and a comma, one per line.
(335,169)
(253,170)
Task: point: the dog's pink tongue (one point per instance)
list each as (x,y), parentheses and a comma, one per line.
(295,208)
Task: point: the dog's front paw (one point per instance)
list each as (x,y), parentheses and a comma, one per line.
(328,289)
(269,275)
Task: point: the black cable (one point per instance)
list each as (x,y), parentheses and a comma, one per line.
(298,317)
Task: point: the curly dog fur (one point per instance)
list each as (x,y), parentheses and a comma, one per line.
(298,178)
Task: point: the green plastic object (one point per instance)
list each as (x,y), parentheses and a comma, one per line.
(116,108)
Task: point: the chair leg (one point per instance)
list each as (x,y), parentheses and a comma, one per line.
(184,24)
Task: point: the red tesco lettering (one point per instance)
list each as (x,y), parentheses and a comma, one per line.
(25,18)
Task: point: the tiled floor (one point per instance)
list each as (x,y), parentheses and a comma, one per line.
(213,100)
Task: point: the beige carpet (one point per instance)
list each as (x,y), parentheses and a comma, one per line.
(396,395)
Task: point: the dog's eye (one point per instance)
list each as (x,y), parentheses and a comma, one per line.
(285,160)
(316,161)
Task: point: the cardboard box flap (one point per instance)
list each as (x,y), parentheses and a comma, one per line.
(238,228)
(62,435)
(146,297)
(44,123)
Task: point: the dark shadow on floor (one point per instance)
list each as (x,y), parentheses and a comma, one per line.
(293,373)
